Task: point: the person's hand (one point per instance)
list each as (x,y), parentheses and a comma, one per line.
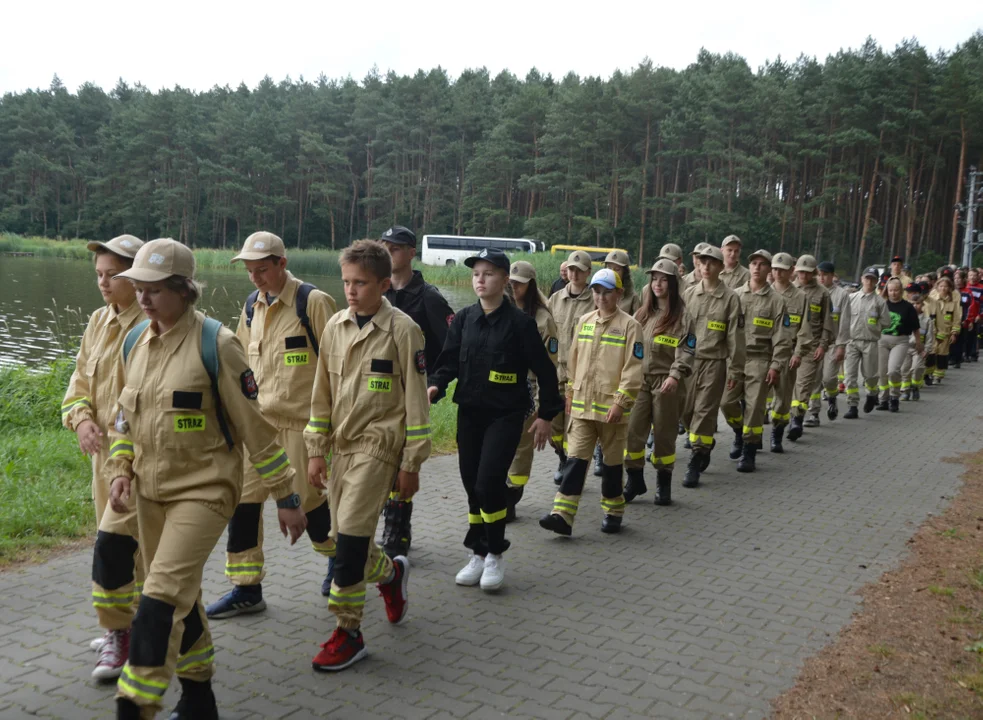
(540,430)
(731,383)
(955,336)
(615,414)
(89,437)
(772,377)
(119,494)
(292,521)
(669,386)
(407,484)
(794,362)
(432,393)
(568,404)
(818,355)
(317,472)
(839,353)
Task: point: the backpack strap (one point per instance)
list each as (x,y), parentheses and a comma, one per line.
(209,358)
(250,301)
(131,337)
(302,293)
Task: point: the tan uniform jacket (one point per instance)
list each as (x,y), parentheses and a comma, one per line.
(370,392)
(735,278)
(764,313)
(281,355)
(716,319)
(670,352)
(173,444)
(93,388)
(630,301)
(864,316)
(567,310)
(796,320)
(838,297)
(689,280)
(820,314)
(605,365)
(547,331)
(947,315)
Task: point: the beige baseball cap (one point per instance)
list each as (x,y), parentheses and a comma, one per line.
(160,259)
(783,261)
(700,247)
(618,257)
(731,239)
(671,251)
(122,245)
(260,245)
(763,254)
(665,266)
(521,271)
(806,263)
(580,260)
(709,251)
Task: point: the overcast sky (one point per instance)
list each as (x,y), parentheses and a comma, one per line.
(201,43)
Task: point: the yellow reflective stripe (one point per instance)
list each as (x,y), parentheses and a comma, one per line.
(318,425)
(613,504)
(704,439)
(734,420)
(376,573)
(894,384)
(141,687)
(563,506)
(518,480)
(627,394)
(715,325)
(556,438)
(780,416)
(635,455)
(349,597)
(799,403)
(67,407)
(394,495)
(616,340)
(270,467)
(852,391)
(493,517)
(107,600)
(417,432)
(121,448)
(577,404)
(763,322)
(598,408)
(748,430)
(205,656)
(816,396)
(664,460)
(232,569)
(474,519)
(794,319)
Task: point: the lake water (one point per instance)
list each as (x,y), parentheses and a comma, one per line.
(45,304)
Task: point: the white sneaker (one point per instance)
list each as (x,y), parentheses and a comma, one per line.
(470,574)
(97,644)
(493,576)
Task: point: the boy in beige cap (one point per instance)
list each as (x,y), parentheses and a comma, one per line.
(734,275)
(820,323)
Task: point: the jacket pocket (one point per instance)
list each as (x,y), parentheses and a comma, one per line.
(188,419)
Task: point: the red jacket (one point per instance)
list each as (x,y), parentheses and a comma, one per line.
(970,307)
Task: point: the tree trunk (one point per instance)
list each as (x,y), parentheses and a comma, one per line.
(870,207)
(928,200)
(645,170)
(964,138)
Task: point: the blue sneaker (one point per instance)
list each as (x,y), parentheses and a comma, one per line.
(241,600)
(326,585)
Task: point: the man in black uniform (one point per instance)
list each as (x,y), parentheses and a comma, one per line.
(428,309)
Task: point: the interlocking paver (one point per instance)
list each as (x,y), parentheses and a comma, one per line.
(702,610)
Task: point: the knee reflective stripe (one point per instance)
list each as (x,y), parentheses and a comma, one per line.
(67,407)
(613,505)
(319,524)
(234,569)
(635,455)
(734,422)
(394,495)
(841,378)
(244,528)
(566,505)
(417,432)
(780,416)
(144,688)
(193,629)
(797,404)
(111,599)
(112,562)
(895,384)
(664,460)
(205,656)
(852,391)
(882,388)
(748,430)
(269,468)
(905,385)
(346,598)
(493,516)
(475,519)
(151,633)
(378,571)
(704,439)
(871,388)
(557,439)
(518,480)
(121,448)
(351,554)
(917,383)
(816,396)
(322,426)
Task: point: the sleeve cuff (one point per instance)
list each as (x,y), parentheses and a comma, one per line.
(80,417)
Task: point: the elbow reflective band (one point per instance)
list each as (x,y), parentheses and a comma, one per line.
(493,517)
(318,425)
(616,340)
(67,407)
(145,688)
(202,657)
(270,467)
(417,432)
(121,448)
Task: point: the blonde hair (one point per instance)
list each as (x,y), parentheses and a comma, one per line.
(188,288)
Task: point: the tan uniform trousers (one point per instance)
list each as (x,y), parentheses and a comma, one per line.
(659,413)
(582,436)
(706,390)
(357,491)
(861,357)
(781,406)
(913,370)
(807,375)
(891,353)
(829,381)
(522,462)
(246,566)
(753,390)
(170,632)
(559,425)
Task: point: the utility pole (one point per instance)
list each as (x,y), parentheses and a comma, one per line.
(971,203)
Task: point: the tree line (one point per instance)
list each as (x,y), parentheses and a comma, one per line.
(856,158)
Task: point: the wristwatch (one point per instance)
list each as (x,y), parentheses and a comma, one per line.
(291,502)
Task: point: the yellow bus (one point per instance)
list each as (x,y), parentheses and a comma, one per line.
(597,254)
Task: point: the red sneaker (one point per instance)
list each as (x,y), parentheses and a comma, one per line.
(112,655)
(394,592)
(340,651)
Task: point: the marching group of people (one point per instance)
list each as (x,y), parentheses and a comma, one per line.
(192,427)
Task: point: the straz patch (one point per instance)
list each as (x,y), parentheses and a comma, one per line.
(815,308)
(249,387)
(795,319)
(552,345)
(502,378)
(872,320)
(189,423)
(638,351)
(292,359)
(764,322)
(380,384)
(587,329)
(420,359)
(836,317)
(716,325)
(666,340)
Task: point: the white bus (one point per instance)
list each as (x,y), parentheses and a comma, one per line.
(454,249)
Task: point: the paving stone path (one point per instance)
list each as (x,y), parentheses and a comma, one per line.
(702,610)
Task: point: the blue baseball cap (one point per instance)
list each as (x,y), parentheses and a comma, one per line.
(607,278)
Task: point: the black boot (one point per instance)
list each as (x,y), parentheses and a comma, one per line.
(916,394)
(397,533)
(126,709)
(512,497)
(692,477)
(197,702)
(852,413)
(611,524)
(895,404)
(558,474)
(832,411)
(777,435)
(598,461)
(929,380)
(738,445)
(663,487)
(883,406)
(680,429)
(552,521)
(870,403)
(705,456)
(746,463)
(795,428)
(635,485)
(687,444)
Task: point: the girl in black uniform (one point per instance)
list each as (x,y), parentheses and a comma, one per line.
(491,346)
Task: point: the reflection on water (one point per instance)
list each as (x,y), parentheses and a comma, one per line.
(45,304)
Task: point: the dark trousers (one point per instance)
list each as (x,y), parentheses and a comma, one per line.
(958,349)
(486,444)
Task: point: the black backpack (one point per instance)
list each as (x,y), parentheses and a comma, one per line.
(302,293)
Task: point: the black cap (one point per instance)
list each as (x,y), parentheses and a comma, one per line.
(913,288)
(897,258)
(826,266)
(495,257)
(906,267)
(947,272)
(924,287)
(399,235)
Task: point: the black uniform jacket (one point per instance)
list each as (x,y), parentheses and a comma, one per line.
(428,308)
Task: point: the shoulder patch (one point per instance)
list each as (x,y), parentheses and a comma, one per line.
(787,321)
(638,351)
(249,387)
(420,359)
(553,345)
(691,341)
(740,320)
